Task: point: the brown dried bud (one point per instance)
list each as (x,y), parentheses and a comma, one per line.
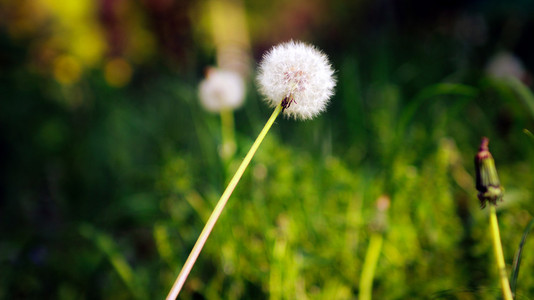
(487,180)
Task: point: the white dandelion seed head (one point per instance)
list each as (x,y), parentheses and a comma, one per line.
(221,90)
(299,73)
(504,65)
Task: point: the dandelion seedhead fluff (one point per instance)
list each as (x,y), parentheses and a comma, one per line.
(504,65)
(221,90)
(299,76)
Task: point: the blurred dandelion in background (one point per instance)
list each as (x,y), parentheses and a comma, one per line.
(505,65)
(221,90)
(224,88)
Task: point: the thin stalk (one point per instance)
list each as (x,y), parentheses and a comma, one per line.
(499,256)
(518,255)
(228,135)
(180,280)
(369,266)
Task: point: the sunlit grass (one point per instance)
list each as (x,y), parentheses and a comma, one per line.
(142,166)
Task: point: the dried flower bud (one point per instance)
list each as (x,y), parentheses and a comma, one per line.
(299,77)
(487,180)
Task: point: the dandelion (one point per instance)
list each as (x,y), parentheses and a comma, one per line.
(505,65)
(490,190)
(221,90)
(299,76)
(487,179)
(296,78)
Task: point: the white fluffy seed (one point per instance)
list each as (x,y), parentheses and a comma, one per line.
(221,90)
(298,74)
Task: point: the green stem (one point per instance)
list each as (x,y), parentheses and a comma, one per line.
(228,135)
(180,280)
(369,266)
(499,256)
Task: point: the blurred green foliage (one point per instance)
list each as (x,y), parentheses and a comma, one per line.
(105,187)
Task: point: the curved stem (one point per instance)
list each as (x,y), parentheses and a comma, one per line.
(369,266)
(180,280)
(499,256)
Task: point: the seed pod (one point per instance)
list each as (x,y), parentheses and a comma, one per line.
(487,180)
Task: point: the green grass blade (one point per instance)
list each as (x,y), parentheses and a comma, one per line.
(106,245)
(523,93)
(512,89)
(440,89)
(518,254)
(528,133)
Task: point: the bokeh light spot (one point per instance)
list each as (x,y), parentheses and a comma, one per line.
(67,69)
(118,72)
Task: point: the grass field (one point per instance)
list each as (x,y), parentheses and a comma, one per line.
(107,183)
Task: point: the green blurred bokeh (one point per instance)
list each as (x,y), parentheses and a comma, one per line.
(110,166)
